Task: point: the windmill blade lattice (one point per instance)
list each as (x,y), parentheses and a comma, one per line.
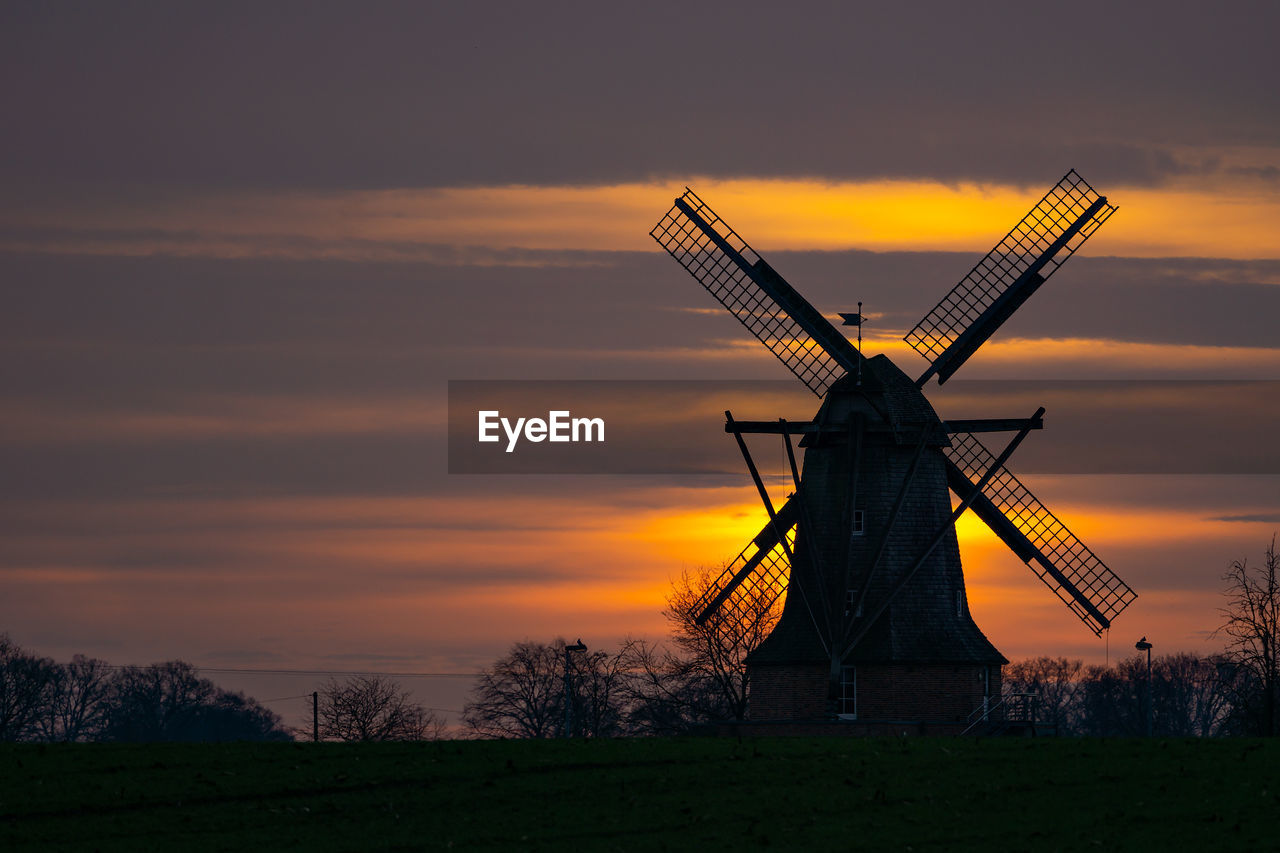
(1063,562)
(750,585)
(767,305)
(1031,252)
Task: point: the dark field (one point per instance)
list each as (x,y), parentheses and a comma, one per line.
(713,794)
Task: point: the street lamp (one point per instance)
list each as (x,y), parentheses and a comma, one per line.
(568,689)
(1143,646)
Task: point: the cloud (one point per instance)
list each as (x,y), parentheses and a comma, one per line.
(324,575)
(540,225)
(172,374)
(246,247)
(411,95)
(1253,518)
(206,418)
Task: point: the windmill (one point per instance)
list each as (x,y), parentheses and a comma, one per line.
(875,623)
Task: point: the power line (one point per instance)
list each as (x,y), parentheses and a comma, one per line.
(339,672)
(308,696)
(247,671)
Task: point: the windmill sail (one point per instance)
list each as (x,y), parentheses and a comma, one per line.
(1000,282)
(756,578)
(762,300)
(872,523)
(1063,562)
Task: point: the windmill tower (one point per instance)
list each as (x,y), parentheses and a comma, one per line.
(875,625)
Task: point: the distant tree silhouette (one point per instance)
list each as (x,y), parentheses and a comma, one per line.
(77,704)
(522,694)
(665,695)
(155,703)
(1189,695)
(373,708)
(712,659)
(702,675)
(235,716)
(1111,699)
(598,693)
(1252,628)
(1056,683)
(171,702)
(25,684)
(1190,698)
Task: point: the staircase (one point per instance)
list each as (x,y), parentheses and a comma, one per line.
(1012,715)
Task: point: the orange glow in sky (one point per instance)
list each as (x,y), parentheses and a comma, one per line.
(586,564)
(243,271)
(1228,220)
(405,568)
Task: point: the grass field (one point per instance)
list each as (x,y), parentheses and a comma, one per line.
(686,794)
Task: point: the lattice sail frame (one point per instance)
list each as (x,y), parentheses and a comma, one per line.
(1052,217)
(756,594)
(1079,566)
(734,288)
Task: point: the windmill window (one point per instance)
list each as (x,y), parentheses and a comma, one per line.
(850,602)
(959,602)
(848,693)
(859,525)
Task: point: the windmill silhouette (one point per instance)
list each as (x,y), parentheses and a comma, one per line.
(875,624)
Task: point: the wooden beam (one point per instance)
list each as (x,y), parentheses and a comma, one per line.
(780,290)
(777,528)
(771,427)
(764,542)
(967,343)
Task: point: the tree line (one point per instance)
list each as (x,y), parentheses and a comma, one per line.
(1189,696)
(641,689)
(89,700)
(543,690)
(540,690)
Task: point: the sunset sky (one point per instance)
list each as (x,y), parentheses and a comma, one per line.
(244,248)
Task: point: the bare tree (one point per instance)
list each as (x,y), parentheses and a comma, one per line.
(523,694)
(714,654)
(373,708)
(664,694)
(1110,699)
(597,689)
(155,703)
(77,704)
(1056,683)
(1188,696)
(1252,629)
(25,684)
(234,716)
(643,689)
(171,702)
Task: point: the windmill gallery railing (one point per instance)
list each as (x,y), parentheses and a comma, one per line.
(1012,711)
